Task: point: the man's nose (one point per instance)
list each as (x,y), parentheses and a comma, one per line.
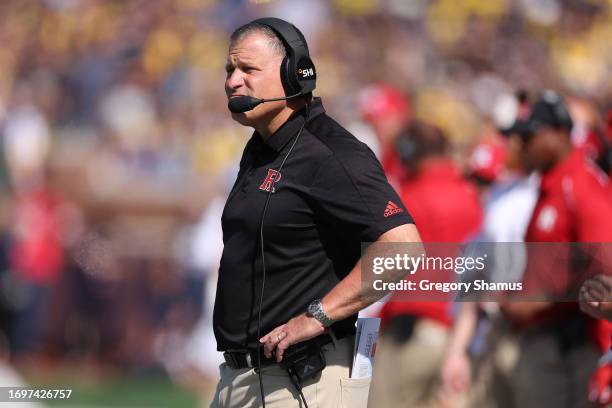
(234,81)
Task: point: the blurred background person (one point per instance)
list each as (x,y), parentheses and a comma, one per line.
(508,369)
(483,348)
(415,333)
(573,206)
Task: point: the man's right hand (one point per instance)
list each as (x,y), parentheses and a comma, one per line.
(298,329)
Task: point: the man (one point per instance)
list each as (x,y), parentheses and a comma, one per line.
(414,335)
(306,196)
(573,206)
(508,196)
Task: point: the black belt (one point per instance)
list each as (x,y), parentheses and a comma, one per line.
(247,358)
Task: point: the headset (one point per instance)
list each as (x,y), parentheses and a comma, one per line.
(297,71)
(417,141)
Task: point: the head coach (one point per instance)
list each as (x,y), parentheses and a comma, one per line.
(307,194)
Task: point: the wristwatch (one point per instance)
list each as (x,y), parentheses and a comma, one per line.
(315,309)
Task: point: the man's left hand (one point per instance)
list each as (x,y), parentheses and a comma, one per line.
(300,328)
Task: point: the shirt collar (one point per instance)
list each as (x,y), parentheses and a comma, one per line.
(289,129)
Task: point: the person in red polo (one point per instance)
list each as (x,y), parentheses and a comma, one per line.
(558,352)
(415,334)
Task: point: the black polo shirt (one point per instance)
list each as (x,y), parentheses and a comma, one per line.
(330,196)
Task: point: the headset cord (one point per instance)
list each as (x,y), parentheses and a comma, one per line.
(263,260)
(296,383)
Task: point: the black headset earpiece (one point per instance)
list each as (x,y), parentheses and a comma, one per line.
(297,70)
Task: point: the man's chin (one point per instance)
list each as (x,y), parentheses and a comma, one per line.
(241,118)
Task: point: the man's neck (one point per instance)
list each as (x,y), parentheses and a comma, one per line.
(270,127)
(565,149)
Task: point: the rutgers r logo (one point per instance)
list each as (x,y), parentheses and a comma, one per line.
(272,178)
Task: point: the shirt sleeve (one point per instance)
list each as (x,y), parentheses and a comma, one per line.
(354,196)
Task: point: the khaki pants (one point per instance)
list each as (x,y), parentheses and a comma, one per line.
(332,388)
(406,374)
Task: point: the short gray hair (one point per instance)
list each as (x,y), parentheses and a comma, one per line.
(274,41)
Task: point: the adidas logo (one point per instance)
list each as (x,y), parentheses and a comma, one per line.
(392,208)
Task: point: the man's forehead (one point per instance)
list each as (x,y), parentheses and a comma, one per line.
(251,41)
(242,56)
(253,45)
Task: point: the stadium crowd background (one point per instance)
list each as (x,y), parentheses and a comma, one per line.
(117,148)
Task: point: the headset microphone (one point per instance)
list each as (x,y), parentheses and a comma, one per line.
(240,104)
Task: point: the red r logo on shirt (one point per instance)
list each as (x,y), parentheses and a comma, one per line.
(272,178)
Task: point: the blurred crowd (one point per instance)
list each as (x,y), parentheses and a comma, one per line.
(117,149)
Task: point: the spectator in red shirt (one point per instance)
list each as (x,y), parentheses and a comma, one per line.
(37,260)
(431,173)
(415,334)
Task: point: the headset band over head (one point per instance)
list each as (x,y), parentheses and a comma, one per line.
(298,73)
